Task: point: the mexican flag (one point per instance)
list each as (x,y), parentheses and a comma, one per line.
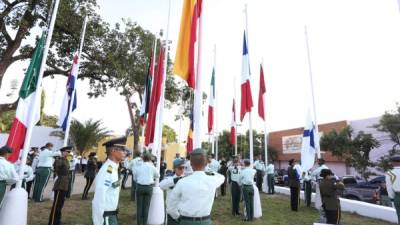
(211,101)
(26,110)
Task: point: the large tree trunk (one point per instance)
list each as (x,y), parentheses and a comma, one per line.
(134,126)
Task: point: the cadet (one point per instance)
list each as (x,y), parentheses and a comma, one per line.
(214,164)
(7,171)
(106,195)
(72,160)
(61,169)
(294,184)
(271,178)
(136,161)
(316,177)
(169,183)
(188,167)
(90,174)
(246,179)
(43,171)
(124,167)
(28,174)
(259,165)
(330,200)
(193,196)
(233,175)
(145,175)
(393,184)
(306,176)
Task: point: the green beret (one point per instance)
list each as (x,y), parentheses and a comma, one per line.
(5,149)
(66,148)
(178,162)
(116,142)
(198,151)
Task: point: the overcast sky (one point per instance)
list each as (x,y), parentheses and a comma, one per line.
(355,55)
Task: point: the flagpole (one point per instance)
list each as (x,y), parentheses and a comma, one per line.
(312,93)
(216,137)
(198,91)
(71,103)
(265,123)
(234,116)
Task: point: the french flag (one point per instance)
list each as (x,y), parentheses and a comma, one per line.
(70,89)
(246,100)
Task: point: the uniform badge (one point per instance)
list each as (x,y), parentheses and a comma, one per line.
(109,169)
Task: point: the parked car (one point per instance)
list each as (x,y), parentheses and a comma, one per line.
(356,190)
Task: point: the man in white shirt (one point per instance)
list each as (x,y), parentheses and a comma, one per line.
(192,198)
(271,177)
(145,176)
(233,178)
(108,185)
(214,164)
(133,163)
(73,160)
(188,167)
(246,180)
(7,171)
(259,165)
(43,171)
(169,183)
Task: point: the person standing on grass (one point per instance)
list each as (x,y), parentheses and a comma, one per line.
(306,176)
(223,170)
(294,184)
(316,178)
(90,174)
(233,177)
(192,198)
(169,183)
(271,177)
(43,171)
(84,162)
(259,165)
(330,200)
(61,169)
(136,161)
(71,173)
(246,180)
(106,195)
(7,171)
(392,180)
(145,176)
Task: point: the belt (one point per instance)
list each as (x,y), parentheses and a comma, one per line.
(248,185)
(145,185)
(188,218)
(44,167)
(110,213)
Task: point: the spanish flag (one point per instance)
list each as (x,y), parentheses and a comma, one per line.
(185,53)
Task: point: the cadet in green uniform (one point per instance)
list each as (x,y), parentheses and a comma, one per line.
(233,175)
(145,175)
(108,184)
(246,179)
(259,165)
(7,171)
(90,174)
(71,173)
(61,169)
(393,184)
(136,161)
(294,184)
(192,198)
(330,200)
(43,171)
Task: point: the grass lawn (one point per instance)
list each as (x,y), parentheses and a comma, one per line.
(276,211)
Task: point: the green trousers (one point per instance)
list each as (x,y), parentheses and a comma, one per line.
(235,194)
(133,189)
(3,185)
(271,183)
(143,197)
(41,179)
(171,221)
(397,205)
(188,222)
(110,220)
(307,192)
(248,196)
(71,176)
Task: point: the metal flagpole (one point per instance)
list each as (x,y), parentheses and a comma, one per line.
(250,119)
(312,93)
(234,116)
(36,103)
(265,123)
(198,90)
(216,136)
(73,91)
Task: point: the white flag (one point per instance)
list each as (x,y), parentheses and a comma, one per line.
(309,144)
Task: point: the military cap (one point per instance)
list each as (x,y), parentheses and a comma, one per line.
(5,149)
(178,162)
(116,142)
(395,158)
(198,151)
(291,161)
(325,172)
(66,148)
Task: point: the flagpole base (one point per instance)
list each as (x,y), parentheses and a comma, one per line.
(14,210)
(156,210)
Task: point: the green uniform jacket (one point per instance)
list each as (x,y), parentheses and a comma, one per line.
(293,177)
(328,188)
(61,168)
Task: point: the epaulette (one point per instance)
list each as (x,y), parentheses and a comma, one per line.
(210,173)
(109,169)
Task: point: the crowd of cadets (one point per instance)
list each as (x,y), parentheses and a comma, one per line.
(190,188)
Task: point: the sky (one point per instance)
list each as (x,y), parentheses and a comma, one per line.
(354,50)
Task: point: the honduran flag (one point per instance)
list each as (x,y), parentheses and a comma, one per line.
(246,99)
(184,65)
(27,111)
(211,101)
(261,93)
(189,141)
(144,109)
(70,89)
(308,147)
(233,125)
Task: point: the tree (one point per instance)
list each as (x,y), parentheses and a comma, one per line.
(84,136)
(169,133)
(355,151)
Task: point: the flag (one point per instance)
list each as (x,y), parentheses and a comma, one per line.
(27,111)
(211,101)
(189,142)
(246,99)
(262,91)
(155,99)
(144,109)
(308,148)
(233,125)
(184,65)
(72,78)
